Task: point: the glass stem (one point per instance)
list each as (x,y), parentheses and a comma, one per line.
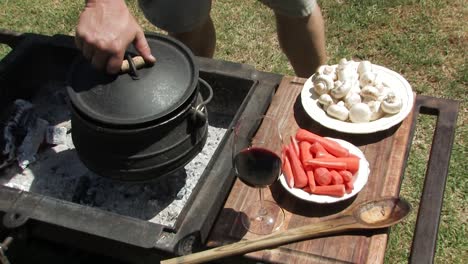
(262,211)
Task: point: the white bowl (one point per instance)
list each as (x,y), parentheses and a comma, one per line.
(360,182)
(398,84)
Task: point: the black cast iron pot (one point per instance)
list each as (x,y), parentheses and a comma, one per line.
(143,124)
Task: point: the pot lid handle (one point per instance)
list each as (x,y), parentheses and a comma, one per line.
(131,65)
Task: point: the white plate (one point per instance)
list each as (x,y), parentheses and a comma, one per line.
(399,85)
(361,180)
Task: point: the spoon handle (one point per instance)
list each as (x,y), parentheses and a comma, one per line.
(341,223)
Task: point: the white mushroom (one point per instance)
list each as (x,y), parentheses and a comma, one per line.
(322,83)
(327,70)
(352,91)
(376,111)
(383,90)
(347,74)
(370,93)
(347,70)
(391,104)
(364,66)
(378,80)
(341,91)
(338,111)
(342,62)
(325,100)
(338,83)
(355,87)
(359,113)
(351,99)
(367,78)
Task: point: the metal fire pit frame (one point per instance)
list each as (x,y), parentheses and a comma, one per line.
(107,233)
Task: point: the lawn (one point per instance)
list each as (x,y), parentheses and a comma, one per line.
(425,41)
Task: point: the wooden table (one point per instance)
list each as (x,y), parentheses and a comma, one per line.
(386,152)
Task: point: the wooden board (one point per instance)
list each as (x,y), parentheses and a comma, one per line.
(386,153)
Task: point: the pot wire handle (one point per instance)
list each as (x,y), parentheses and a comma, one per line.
(198,114)
(132,67)
(201,106)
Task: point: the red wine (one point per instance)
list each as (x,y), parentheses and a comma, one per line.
(257,167)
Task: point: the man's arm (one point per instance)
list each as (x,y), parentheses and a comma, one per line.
(104,31)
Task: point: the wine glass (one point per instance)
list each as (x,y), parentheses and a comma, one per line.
(257,163)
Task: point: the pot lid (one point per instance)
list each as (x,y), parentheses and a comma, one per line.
(123,99)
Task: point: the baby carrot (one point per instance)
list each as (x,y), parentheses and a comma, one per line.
(304,149)
(336,177)
(349,186)
(347,175)
(307,189)
(348,163)
(295,146)
(311,179)
(331,146)
(322,176)
(288,174)
(329,164)
(319,151)
(337,190)
(300,178)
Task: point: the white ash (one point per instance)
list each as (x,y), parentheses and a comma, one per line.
(56,135)
(59,173)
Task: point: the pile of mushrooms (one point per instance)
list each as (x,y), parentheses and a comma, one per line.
(352,91)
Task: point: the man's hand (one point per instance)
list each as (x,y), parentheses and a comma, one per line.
(105,29)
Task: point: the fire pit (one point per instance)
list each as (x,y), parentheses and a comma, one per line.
(59,173)
(58,199)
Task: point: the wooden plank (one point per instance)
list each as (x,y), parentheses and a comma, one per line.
(430,207)
(385,151)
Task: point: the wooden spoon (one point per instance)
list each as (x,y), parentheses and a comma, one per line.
(368,215)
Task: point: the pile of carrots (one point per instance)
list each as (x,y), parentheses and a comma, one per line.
(319,165)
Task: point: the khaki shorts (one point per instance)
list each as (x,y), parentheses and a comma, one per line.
(178,16)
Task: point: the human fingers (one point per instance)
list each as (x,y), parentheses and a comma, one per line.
(99,60)
(141,45)
(114,63)
(88,51)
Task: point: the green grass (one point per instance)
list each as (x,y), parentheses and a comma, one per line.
(425,41)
